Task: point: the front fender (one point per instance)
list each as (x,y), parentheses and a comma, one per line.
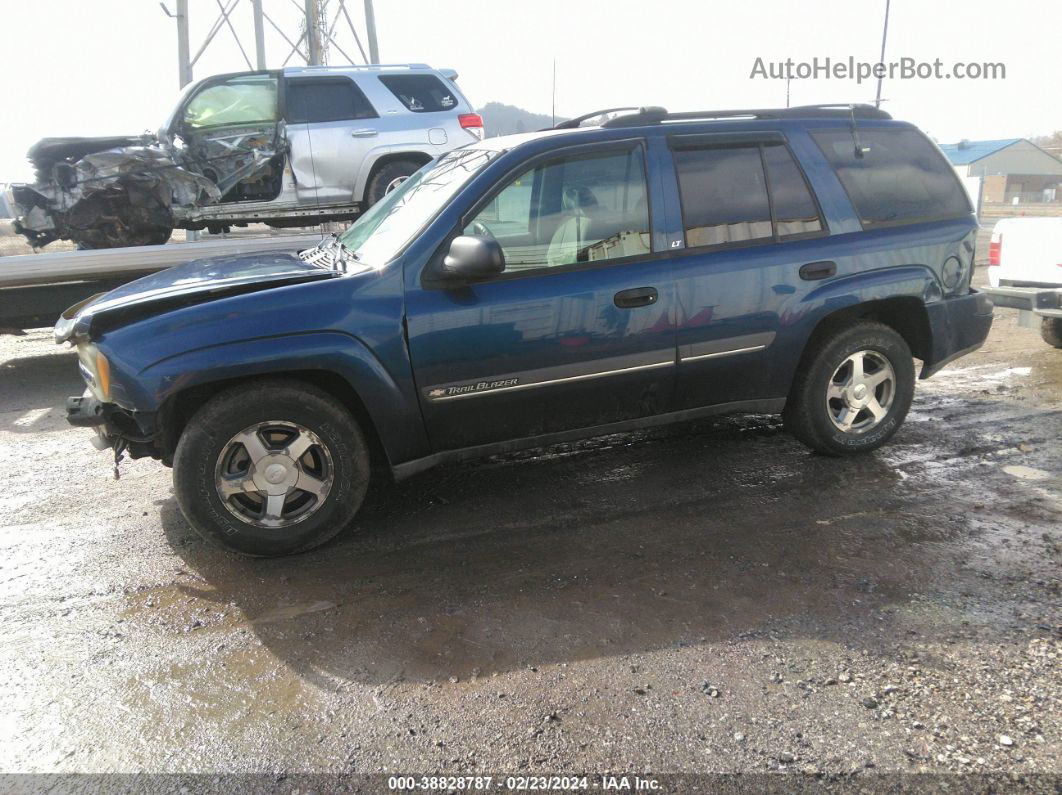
(393,409)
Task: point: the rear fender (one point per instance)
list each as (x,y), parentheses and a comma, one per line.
(842,296)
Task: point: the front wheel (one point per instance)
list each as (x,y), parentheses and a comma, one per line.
(271,468)
(853,391)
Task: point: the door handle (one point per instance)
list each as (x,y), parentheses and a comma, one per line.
(638,296)
(818,270)
(364,132)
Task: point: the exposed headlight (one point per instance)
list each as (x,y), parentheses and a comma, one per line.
(95,369)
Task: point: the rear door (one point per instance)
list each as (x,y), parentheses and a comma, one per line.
(750,224)
(331,128)
(576,332)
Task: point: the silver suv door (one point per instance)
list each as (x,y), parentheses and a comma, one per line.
(331,128)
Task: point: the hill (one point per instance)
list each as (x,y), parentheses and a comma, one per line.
(502,119)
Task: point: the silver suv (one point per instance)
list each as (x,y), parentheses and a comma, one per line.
(289,148)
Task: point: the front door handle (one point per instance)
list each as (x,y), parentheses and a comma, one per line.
(638,296)
(818,270)
(364,132)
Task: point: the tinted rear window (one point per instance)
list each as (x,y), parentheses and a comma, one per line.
(795,211)
(325,99)
(724,191)
(421,93)
(901,179)
(724,195)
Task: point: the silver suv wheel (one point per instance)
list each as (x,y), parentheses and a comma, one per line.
(861,392)
(393,184)
(274,474)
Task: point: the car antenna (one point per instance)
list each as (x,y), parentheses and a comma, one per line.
(860,150)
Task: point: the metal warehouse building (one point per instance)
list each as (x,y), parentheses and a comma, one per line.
(1009,169)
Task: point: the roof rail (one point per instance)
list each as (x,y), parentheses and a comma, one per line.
(367,66)
(655,115)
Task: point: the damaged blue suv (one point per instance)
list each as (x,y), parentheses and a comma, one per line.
(520,291)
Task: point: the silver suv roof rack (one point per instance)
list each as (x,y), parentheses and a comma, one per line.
(655,115)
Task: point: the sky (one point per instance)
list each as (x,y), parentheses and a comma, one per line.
(106,67)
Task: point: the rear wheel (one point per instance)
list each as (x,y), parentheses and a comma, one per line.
(388,178)
(1051,331)
(271,468)
(854,390)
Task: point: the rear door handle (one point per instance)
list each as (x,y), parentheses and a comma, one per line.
(638,296)
(818,270)
(364,132)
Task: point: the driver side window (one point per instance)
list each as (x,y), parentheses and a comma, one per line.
(575,209)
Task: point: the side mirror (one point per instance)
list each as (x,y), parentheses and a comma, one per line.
(473,257)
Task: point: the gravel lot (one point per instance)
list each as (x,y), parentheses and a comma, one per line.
(703,599)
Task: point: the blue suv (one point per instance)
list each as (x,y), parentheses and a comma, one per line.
(531,289)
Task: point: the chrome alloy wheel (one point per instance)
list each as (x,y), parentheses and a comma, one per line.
(274,474)
(393,184)
(861,392)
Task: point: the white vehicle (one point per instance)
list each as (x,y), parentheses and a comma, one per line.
(1025,272)
(290,147)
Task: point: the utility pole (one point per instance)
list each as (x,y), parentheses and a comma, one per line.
(370,32)
(881,60)
(259,34)
(184,63)
(314,56)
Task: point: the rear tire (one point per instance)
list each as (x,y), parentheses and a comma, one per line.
(271,468)
(853,390)
(1051,331)
(389,177)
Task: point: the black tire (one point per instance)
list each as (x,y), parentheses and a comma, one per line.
(387,174)
(207,437)
(808,410)
(1051,331)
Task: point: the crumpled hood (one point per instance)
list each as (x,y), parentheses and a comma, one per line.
(192,283)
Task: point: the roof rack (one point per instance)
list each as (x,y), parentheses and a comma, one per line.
(655,115)
(368,67)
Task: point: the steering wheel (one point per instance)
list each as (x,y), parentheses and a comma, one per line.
(480,230)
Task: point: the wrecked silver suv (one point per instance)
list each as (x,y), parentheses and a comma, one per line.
(288,148)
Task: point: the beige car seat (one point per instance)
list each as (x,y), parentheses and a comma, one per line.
(573,234)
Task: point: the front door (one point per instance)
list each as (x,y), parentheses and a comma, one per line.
(578,329)
(330,127)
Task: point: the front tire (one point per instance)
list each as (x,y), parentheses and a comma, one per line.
(853,390)
(271,468)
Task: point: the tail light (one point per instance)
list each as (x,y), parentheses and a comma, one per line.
(472,122)
(995,249)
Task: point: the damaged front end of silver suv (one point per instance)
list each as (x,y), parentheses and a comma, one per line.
(224,142)
(121,195)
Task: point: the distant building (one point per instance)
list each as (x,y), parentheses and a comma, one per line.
(1010,168)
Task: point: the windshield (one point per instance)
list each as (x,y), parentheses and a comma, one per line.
(385,229)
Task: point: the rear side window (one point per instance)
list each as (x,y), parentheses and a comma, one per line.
(420,93)
(795,211)
(325,99)
(742,194)
(901,177)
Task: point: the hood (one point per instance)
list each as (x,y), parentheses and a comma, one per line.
(193,282)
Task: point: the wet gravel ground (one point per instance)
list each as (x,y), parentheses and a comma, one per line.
(707,598)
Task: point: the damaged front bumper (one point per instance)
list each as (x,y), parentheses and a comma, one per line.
(116,428)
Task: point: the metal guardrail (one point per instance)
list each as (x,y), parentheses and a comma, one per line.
(70,266)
